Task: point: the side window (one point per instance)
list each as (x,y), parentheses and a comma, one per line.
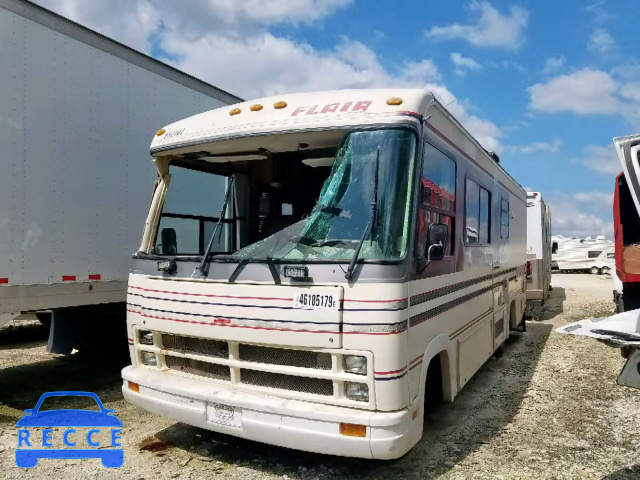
(438,195)
(504,219)
(189,214)
(478,214)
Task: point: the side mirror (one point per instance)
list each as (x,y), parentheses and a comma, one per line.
(554,247)
(169,241)
(436,241)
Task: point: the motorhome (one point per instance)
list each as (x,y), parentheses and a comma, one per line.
(577,254)
(538,248)
(366,258)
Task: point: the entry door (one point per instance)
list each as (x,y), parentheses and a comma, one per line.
(500,325)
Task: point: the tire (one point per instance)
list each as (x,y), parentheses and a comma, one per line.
(594,271)
(44,318)
(605,270)
(619,304)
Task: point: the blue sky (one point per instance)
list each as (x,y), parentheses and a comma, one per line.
(546,84)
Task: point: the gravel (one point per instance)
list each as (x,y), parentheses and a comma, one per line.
(549,407)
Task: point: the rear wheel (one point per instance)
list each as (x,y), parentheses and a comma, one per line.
(44,318)
(594,271)
(605,270)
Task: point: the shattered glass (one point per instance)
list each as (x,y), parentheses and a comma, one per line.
(334,228)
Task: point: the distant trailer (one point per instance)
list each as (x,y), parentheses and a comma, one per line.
(538,248)
(76,113)
(578,254)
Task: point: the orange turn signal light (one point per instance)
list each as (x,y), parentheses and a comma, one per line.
(160,132)
(279,105)
(353,430)
(235,111)
(394,101)
(256,108)
(134,387)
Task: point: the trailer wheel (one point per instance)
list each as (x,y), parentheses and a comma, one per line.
(594,271)
(605,270)
(44,318)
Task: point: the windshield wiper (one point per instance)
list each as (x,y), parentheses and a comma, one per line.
(368,230)
(204,264)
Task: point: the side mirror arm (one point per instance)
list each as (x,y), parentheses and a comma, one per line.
(439,244)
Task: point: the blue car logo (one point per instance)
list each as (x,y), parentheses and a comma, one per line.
(33,445)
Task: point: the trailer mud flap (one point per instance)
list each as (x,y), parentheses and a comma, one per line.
(630,374)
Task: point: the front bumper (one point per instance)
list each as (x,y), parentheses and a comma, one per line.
(287,423)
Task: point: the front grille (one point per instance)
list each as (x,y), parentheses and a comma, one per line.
(281,369)
(215,348)
(315,386)
(283,356)
(195,367)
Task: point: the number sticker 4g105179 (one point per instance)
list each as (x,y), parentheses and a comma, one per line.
(308,300)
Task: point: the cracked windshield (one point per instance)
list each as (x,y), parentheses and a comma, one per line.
(368,159)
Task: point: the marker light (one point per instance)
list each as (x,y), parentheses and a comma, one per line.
(134,387)
(160,132)
(394,101)
(353,430)
(279,105)
(356,391)
(235,111)
(355,364)
(256,108)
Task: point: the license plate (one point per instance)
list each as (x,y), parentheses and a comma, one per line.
(224,415)
(315,301)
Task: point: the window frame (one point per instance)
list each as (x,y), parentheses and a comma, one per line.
(467,179)
(423,208)
(508,212)
(201,219)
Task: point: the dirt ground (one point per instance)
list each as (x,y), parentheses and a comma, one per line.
(549,407)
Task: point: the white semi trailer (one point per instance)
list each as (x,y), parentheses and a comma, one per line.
(76,109)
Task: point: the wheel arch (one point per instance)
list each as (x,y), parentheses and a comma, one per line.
(442,347)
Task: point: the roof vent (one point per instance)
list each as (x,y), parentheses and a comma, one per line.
(495,157)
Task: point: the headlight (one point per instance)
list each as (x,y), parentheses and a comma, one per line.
(148,358)
(356,391)
(355,364)
(145,337)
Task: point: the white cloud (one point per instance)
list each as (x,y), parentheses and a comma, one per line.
(600,42)
(583,214)
(229,44)
(585,92)
(464,64)
(597,9)
(535,147)
(570,221)
(599,198)
(554,64)
(599,159)
(490,28)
